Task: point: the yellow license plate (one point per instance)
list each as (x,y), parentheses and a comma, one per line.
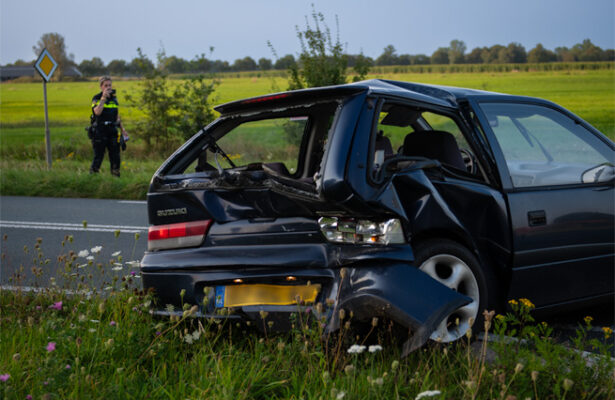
(252,295)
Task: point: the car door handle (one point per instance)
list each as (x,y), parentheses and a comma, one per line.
(537,218)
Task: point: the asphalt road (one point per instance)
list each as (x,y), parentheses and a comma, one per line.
(24,221)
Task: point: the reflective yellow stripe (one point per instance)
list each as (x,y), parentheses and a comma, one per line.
(106,105)
(251,295)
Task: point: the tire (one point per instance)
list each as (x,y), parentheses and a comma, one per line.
(458,268)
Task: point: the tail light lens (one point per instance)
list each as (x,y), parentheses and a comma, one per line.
(174,236)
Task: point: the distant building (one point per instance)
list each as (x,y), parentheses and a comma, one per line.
(7,73)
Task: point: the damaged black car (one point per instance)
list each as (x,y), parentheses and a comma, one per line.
(421,204)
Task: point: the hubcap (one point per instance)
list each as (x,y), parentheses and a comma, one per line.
(455,274)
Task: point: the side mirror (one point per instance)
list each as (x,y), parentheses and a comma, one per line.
(600,173)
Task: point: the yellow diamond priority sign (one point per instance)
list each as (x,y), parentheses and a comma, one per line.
(45,65)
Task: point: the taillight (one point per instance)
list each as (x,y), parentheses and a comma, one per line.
(173,236)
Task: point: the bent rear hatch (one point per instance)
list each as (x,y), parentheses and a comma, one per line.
(262,160)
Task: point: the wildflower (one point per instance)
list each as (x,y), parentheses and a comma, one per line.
(375,322)
(340,395)
(518,368)
(356,349)
(188,339)
(96,249)
(568,384)
(133,273)
(326,376)
(117,268)
(429,393)
(83,253)
(56,306)
(263,314)
(4,377)
(67,366)
(342,314)
(94,321)
(16,356)
(112,323)
(28,397)
(588,320)
(607,332)
(374,348)
(394,365)
(349,369)
(379,381)
(534,376)
(527,303)
(51,346)
(512,302)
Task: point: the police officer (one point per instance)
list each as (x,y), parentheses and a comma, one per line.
(106,119)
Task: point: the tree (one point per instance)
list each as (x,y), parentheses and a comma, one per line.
(388,56)
(361,67)
(244,64)
(92,67)
(440,56)
(141,65)
(174,64)
(475,56)
(285,62)
(490,55)
(513,53)
(322,60)
(200,64)
(456,52)
(171,113)
(264,64)
(54,43)
(540,55)
(117,67)
(587,51)
(420,59)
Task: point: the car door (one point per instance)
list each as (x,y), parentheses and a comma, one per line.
(557,172)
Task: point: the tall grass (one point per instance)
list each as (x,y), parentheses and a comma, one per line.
(100,341)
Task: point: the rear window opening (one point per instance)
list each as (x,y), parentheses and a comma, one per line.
(287,144)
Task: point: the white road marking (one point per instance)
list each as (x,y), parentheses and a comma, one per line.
(132,201)
(71,227)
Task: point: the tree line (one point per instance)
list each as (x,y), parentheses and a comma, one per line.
(455,53)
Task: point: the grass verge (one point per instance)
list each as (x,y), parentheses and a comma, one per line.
(102,342)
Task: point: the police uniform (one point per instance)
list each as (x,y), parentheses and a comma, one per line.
(105,134)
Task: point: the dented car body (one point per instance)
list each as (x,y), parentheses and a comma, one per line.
(421,204)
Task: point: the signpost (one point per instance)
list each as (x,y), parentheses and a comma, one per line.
(46,66)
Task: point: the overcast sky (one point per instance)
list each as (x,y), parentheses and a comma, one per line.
(114,29)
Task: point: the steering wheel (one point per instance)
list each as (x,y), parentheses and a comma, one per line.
(468,160)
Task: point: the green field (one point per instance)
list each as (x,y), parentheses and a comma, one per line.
(588,93)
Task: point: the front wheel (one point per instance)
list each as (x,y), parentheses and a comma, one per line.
(457,268)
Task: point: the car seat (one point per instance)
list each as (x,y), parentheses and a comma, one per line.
(438,145)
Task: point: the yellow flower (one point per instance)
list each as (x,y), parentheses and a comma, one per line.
(527,303)
(588,320)
(607,332)
(500,317)
(512,302)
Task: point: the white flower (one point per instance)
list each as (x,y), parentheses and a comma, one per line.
(90,258)
(108,288)
(188,339)
(96,249)
(91,330)
(95,321)
(117,253)
(340,395)
(429,393)
(356,349)
(133,263)
(374,348)
(196,335)
(117,268)
(83,253)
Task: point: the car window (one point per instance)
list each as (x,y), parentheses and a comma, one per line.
(544,147)
(268,140)
(396,125)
